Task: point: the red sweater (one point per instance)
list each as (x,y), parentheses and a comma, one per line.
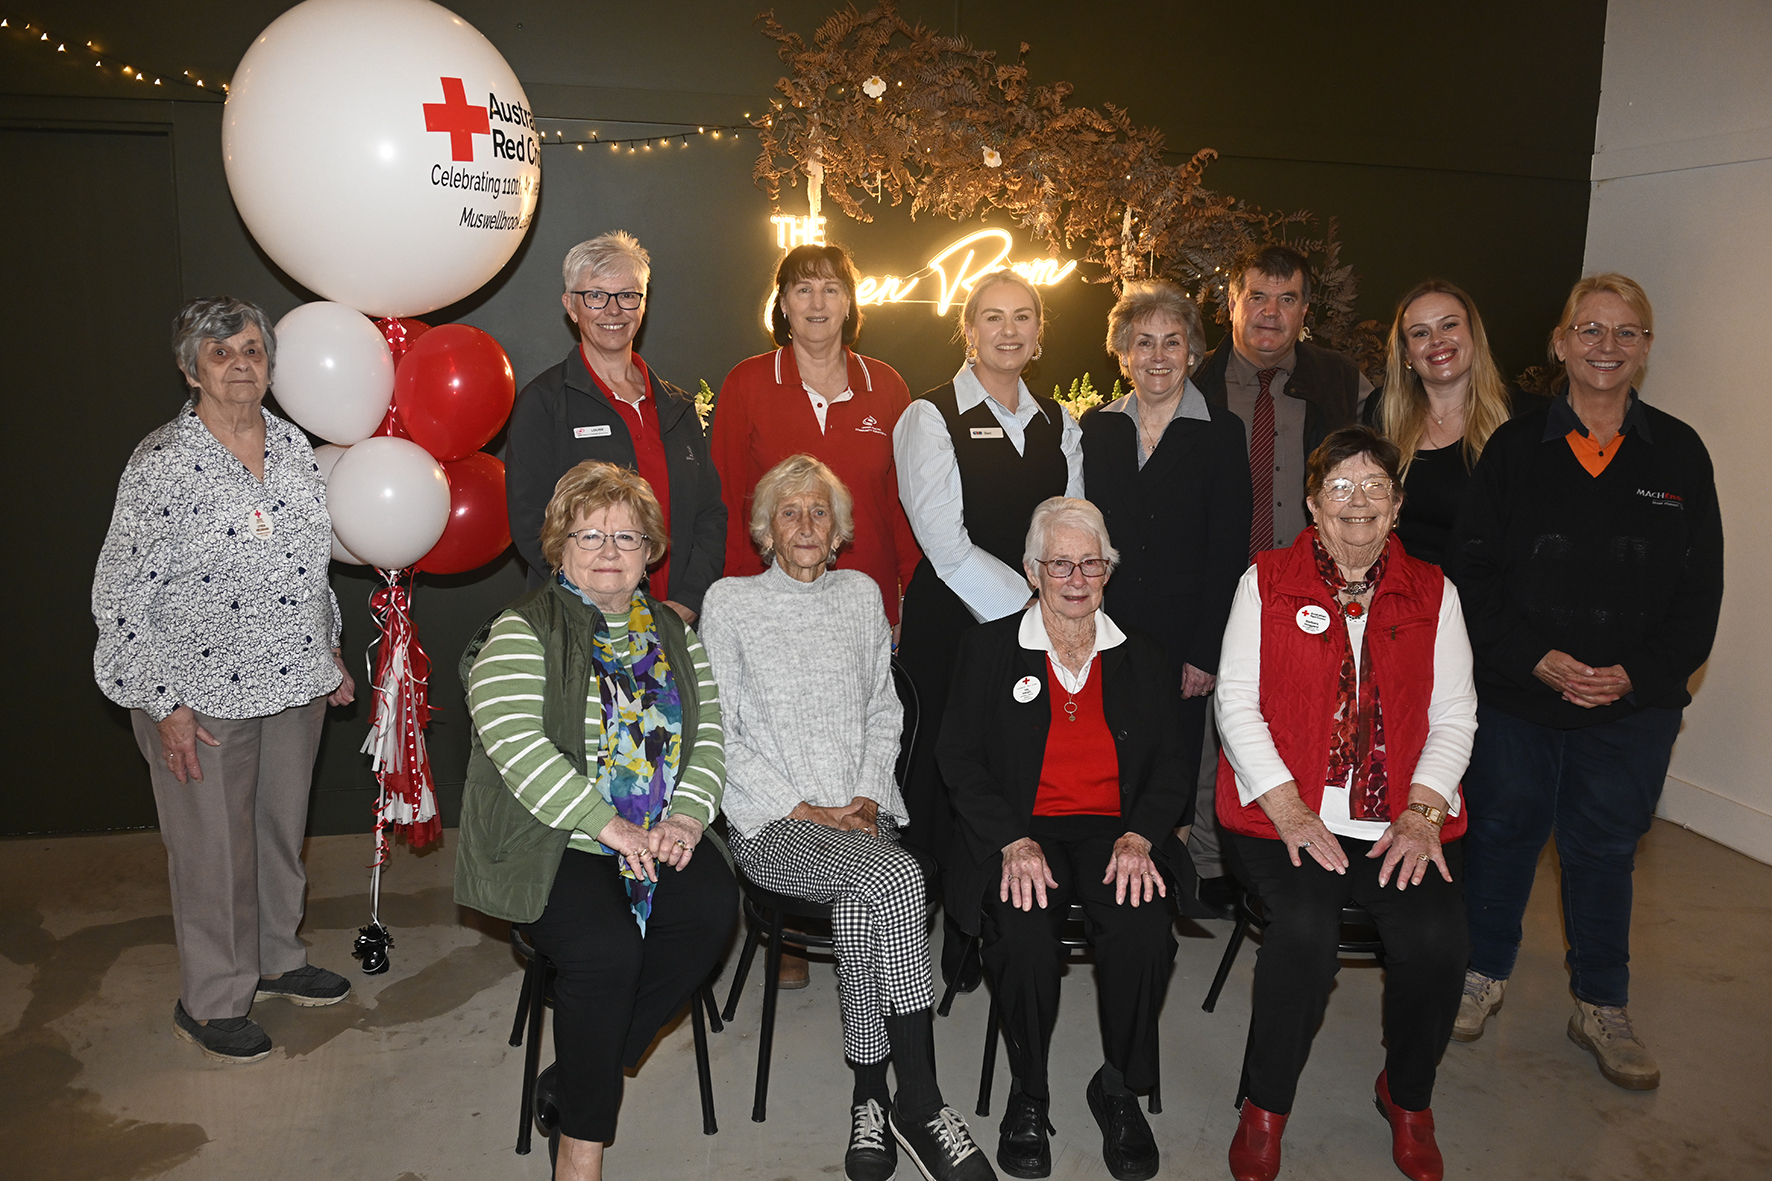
(763,416)
(1300,673)
(1080,775)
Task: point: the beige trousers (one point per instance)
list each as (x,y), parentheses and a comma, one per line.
(233,852)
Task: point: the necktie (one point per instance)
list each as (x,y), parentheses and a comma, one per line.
(1261,467)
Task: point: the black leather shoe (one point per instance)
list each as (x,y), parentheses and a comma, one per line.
(547,1101)
(1022,1147)
(1126,1141)
(1219,895)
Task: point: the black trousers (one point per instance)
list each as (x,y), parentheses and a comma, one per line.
(1134,953)
(1426,948)
(615,989)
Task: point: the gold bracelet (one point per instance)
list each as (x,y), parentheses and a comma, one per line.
(1435,816)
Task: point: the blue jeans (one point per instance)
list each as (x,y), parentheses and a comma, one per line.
(1595,789)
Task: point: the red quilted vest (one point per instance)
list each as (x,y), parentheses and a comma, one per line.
(1300,672)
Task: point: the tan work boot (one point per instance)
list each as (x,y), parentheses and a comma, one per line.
(794,973)
(1605,1031)
(1482,996)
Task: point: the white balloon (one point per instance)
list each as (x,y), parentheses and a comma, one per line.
(335,372)
(326,455)
(381,152)
(389,501)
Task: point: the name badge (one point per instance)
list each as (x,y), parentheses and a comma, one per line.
(590,432)
(1313,620)
(987,432)
(1027,688)
(258,523)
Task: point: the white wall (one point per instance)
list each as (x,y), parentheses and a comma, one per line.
(1682,202)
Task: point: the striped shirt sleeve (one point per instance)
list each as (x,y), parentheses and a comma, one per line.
(504,699)
(704,779)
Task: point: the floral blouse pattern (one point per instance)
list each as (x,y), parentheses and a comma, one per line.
(211,589)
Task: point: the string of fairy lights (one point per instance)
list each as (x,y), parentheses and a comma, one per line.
(579,134)
(111,64)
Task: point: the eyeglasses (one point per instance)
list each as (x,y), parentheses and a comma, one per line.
(1062,567)
(627,301)
(1628,336)
(1375,487)
(593,539)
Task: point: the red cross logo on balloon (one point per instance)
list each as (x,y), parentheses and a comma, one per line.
(460,120)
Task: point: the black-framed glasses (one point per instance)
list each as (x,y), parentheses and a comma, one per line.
(1593,334)
(596,300)
(1375,487)
(593,539)
(1062,567)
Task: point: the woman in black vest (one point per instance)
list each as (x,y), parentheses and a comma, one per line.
(975,457)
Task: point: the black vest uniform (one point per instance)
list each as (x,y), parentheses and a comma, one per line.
(1000,490)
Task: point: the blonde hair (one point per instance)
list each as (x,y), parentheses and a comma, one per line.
(985,282)
(1613,283)
(591,487)
(793,476)
(1402,416)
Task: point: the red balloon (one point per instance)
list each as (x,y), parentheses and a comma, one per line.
(400,334)
(479,528)
(453,390)
(392,426)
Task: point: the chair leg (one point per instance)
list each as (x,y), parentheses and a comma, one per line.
(1155,1103)
(744,969)
(703,1074)
(947,996)
(988,1072)
(532,1055)
(523,994)
(766,1037)
(705,996)
(1238,932)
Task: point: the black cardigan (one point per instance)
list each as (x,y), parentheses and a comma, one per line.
(1181,524)
(542,446)
(992,747)
(1621,568)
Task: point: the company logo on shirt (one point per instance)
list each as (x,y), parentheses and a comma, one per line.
(1663,499)
(871,425)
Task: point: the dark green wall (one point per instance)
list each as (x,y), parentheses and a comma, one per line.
(1457,145)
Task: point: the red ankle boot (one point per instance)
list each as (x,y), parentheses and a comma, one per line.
(1412,1137)
(1255,1149)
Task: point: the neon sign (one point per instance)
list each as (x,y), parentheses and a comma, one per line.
(952,271)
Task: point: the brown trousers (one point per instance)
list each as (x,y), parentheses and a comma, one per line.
(233,852)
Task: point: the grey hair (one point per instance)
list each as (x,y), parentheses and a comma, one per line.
(793,476)
(218,317)
(1064,510)
(1143,299)
(606,254)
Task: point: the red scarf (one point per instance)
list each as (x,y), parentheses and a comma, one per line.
(1357,742)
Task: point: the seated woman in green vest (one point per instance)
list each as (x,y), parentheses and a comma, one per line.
(596,767)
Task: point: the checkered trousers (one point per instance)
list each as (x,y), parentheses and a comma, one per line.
(878,919)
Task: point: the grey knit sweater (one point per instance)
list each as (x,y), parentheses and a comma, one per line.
(806,694)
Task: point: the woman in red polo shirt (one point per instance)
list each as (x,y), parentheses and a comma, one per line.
(814,395)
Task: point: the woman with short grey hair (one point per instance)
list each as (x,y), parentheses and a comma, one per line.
(217,630)
(603,403)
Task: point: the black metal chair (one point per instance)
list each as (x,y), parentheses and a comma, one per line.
(1359,936)
(538,974)
(765,912)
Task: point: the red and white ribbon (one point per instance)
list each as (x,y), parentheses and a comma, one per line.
(396,743)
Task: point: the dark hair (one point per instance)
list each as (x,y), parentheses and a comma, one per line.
(814,262)
(1350,442)
(1274,261)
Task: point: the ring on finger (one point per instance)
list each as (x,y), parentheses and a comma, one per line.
(1304,844)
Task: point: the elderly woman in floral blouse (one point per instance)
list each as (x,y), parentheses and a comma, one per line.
(218,632)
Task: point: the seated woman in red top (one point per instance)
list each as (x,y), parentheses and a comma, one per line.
(816,396)
(1063,756)
(1346,711)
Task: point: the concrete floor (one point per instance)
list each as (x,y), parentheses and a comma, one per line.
(411,1077)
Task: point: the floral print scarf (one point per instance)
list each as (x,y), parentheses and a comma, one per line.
(1356,743)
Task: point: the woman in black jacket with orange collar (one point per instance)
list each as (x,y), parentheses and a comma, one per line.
(1062,756)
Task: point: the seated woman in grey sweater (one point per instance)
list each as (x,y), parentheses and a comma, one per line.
(803,655)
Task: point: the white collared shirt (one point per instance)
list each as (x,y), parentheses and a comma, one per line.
(929,486)
(1191,404)
(1034,637)
(821,404)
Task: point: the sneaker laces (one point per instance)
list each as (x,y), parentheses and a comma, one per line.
(1614,1023)
(1475,983)
(952,1134)
(870,1127)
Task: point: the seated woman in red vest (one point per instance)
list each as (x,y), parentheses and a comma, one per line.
(1346,709)
(1063,757)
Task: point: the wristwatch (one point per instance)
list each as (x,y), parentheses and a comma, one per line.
(1435,816)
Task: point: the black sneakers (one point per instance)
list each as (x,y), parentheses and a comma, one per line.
(307,986)
(1126,1141)
(941,1147)
(872,1155)
(1022,1147)
(226,1039)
